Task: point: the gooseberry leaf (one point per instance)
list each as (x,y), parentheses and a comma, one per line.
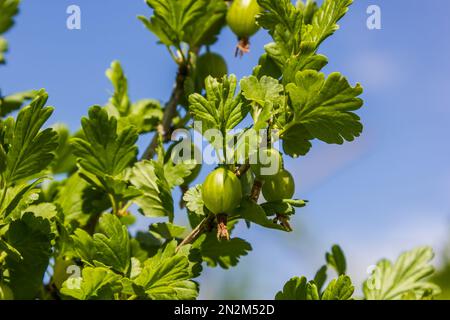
(307,9)
(171,18)
(251,211)
(31,236)
(144,115)
(109,247)
(324,107)
(264,95)
(261,90)
(298,288)
(282,207)
(167,276)
(320,277)
(18,198)
(324,20)
(65,160)
(221,109)
(176,173)
(339,289)
(93,284)
(195,205)
(3,49)
(392,281)
(336,259)
(120,99)
(15,101)
(29,149)
(103,151)
(156,200)
(166,230)
(205,29)
(225,254)
(8,10)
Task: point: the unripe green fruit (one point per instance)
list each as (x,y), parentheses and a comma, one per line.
(210,64)
(241,17)
(268,163)
(5,292)
(221,191)
(278,187)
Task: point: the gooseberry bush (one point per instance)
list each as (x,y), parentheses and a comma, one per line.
(67,199)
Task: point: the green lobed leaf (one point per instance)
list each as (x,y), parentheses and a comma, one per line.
(195,205)
(103,151)
(284,23)
(144,115)
(17,199)
(283,207)
(109,247)
(14,101)
(29,150)
(176,173)
(225,254)
(65,161)
(392,281)
(32,237)
(166,230)
(205,29)
(93,284)
(3,50)
(8,10)
(120,99)
(171,18)
(251,211)
(72,198)
(298,289)
(320,277)
(167,276)
(156,200)
(308,10)
(339,289)
(265,96)
(323,107)
(220,109)
(324,20)
(336,259)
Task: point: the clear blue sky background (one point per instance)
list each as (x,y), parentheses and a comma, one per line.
(385,193)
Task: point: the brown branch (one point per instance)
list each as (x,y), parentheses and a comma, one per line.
(170,111)
(203,226)
(242,170)
(256,190)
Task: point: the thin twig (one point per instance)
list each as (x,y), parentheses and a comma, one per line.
(256,190)
(198,230)
(241,170)
(170,110)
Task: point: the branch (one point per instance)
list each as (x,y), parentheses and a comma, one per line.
(203,226)
(242,170)
(256,190)
(170,110)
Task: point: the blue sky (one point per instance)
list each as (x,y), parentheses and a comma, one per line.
(386,192)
